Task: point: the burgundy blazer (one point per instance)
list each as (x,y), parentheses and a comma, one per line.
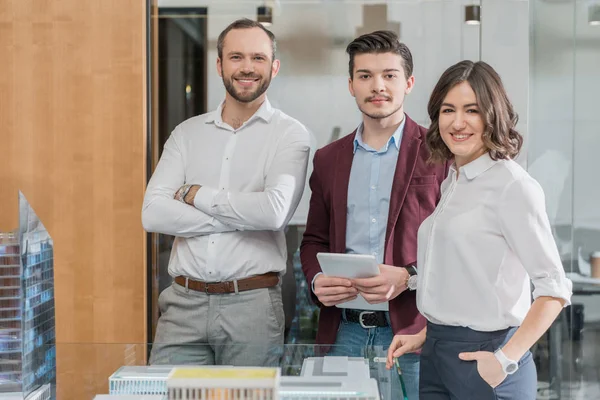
(415,193)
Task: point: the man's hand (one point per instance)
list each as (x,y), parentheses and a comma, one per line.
(390,282)
(402,344)
(331,290)
(488,366)
(189,196)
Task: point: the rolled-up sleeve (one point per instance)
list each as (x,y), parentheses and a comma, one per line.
(525,226)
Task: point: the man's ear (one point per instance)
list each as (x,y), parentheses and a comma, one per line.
(219,67)
(350,88)
(410,83)
(275,68)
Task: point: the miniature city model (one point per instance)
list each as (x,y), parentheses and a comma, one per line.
(320,378)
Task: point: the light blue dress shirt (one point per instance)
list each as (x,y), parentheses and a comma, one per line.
(369,190)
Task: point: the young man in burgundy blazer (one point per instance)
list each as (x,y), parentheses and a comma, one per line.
(370,192)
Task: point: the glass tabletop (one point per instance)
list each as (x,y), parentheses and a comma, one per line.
(122,370)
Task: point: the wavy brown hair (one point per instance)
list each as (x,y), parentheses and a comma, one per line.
(499,117)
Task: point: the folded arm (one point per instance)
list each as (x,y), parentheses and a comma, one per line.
(161,213)
(272,208)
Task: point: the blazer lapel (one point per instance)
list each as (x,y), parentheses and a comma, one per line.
(407,159)
(342,166)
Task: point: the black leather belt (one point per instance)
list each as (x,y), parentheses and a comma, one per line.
(367,319)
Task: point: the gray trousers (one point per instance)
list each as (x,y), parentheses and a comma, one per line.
(444,376)
(244,329)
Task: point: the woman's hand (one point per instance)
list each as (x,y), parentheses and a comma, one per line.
(403,344)
(488,366)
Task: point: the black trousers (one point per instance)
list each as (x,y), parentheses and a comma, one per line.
(444,376)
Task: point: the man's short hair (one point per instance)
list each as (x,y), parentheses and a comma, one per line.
(245,23)
(380,42)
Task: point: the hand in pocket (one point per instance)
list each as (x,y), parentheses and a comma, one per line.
(488,366)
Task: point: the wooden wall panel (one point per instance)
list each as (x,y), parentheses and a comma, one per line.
(73,140)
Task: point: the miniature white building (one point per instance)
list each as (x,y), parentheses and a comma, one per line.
(321,378)
(330,378)
(139,380)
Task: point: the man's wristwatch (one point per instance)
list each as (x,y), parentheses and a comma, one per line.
(183,191)
(411,283)
(509,366)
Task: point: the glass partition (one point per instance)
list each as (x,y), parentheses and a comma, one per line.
(563,125)
(547,53)
(312,85)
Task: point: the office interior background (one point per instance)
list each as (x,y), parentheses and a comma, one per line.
(90,91)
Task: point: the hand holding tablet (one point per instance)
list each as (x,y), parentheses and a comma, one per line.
(340,269)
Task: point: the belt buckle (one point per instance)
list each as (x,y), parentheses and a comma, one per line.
(206,287)
(360,319)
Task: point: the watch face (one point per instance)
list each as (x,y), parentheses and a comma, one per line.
(512,368)
(412,282)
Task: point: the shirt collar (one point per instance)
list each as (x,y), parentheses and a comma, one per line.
(476,167)
(396,138)
(264,112)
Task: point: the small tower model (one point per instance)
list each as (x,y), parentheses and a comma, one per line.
(27,324)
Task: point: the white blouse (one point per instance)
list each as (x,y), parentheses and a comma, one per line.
(487,240)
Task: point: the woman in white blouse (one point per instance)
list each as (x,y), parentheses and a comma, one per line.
(479,251)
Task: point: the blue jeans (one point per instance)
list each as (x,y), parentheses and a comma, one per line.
(355,341)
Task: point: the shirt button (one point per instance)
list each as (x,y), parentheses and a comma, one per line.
(373,187)
(373,220)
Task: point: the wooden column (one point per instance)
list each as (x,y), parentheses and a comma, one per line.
(73,140)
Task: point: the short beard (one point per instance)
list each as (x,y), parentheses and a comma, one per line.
(379,116)
(247,97)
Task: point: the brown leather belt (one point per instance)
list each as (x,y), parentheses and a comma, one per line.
(267,280)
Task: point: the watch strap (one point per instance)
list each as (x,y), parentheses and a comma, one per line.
(411,270)
(508,366)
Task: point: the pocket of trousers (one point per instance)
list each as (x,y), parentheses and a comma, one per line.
(477,387)
(276,303)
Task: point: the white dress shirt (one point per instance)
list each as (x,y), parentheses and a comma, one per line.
(487,240)
(252,180)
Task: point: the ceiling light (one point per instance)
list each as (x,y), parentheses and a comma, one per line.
(473,15)
(264,15)
(594,15)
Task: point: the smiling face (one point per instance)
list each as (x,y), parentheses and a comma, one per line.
(378,84)
(247,66)
(461,124)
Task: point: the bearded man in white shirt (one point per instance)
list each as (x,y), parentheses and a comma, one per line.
(226,185)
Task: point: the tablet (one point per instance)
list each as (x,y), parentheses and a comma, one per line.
(352,266)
